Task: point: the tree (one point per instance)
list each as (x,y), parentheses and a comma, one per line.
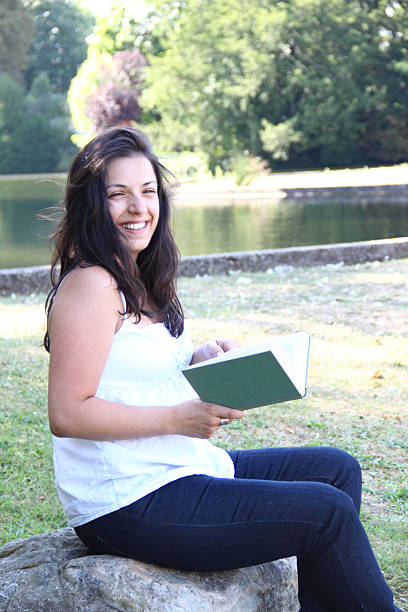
(348,60)
(213,71)
(11,106)
(59,46)
(305,82)
(16,32)
(106,92)
(116,100)
(121,29)
(33,126)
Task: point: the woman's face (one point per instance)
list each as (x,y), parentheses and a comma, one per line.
(131,189)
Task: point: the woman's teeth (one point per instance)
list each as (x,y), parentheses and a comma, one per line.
(134,226)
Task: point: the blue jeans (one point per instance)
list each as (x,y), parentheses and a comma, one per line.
(283,502)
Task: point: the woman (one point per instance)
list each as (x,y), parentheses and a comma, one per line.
(135,471)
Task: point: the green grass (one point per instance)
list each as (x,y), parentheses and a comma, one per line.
(357,398)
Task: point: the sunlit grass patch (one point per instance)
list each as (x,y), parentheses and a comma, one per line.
(22,316)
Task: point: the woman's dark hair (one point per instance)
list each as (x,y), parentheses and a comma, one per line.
(86,234)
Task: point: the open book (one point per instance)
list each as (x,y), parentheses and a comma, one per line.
(256,375)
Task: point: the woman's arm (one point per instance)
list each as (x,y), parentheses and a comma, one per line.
(82,323)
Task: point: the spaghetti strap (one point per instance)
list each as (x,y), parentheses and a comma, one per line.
(64,277)
(122,297)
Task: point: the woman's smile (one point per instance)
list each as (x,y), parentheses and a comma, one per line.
(134,226)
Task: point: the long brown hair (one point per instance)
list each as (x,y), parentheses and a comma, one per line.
(86,234)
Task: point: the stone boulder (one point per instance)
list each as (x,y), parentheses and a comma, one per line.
(55,571)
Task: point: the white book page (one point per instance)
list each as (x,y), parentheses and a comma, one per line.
(296,347)
(291,351)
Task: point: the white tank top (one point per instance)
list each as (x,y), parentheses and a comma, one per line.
(143,368)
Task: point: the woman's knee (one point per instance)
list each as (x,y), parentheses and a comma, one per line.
(350,463)
(348,472)
(336,513)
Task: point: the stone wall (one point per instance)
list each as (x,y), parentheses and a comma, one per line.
(36,279)
(352,193)
(320,255)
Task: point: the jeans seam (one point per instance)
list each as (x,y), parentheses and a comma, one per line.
(151,523)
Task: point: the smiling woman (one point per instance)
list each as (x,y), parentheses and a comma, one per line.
(135,469)
(133,201)
(115,182)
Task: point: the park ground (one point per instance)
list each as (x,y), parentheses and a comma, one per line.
(357,390)
(276,184)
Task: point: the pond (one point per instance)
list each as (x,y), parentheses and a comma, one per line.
(208,227)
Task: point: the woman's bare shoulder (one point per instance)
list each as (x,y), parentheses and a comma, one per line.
(87,286)
(92,277)
(88,281)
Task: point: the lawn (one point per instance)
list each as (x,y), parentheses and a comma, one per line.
(357,398)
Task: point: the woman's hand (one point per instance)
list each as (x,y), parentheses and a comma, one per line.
(211,349)
(199,419)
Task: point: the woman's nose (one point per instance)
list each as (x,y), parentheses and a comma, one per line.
(136,203)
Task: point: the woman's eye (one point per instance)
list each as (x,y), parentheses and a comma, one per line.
(117,194)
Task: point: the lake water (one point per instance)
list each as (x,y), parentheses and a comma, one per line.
(207,227)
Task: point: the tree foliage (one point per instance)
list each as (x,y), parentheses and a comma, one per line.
(59,45)
(116,100)
(306,82)
(120,30)
(33,126)
(16,32)
(106,92)
(107,87)
(34,120)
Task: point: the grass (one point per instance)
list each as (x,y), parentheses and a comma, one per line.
(358,385)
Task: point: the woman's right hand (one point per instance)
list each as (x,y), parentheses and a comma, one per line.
(199,419)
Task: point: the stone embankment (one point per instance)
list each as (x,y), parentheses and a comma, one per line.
(36,279)
(54,571)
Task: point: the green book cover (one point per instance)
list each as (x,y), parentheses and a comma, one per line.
(257,375)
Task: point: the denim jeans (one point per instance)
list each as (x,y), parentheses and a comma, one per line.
(283,502)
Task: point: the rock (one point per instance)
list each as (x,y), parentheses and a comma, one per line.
(55,572)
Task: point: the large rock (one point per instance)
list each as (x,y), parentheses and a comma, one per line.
(55,572)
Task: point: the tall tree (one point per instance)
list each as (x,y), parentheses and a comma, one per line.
(313,82)
(16,32)
(106,92)
(59,45)
(116,100)
(213,71)
(121,29)
(33,126)
(107,86)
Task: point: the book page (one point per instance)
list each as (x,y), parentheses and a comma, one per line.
(296,347)
(291,351)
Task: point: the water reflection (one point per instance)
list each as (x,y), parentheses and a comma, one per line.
(200,228)
(269,225)
(23,235)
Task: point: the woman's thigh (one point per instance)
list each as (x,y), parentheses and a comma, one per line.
(306,464)
(204,523)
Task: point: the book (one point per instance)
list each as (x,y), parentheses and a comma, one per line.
(256,375)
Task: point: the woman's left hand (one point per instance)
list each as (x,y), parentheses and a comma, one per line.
(211,349)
